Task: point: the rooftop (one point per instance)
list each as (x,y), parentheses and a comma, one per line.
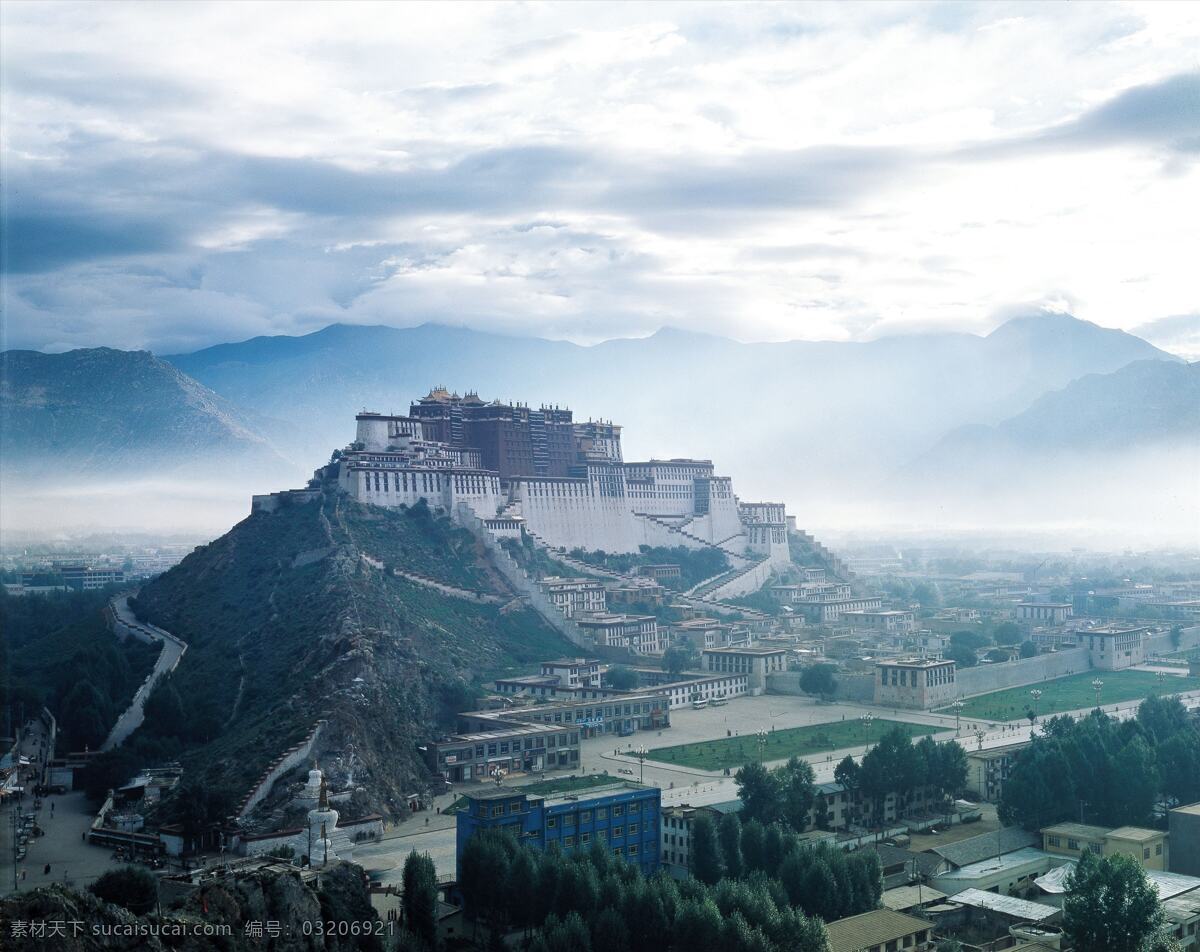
(1007,905)
(1138,834)
(746,651)
(996,864)
(877,927)
(1193,809)
(976,848)
(906,897)
(1079,831)
(1167,885)
(911,662)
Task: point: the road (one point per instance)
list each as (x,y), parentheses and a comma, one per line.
(172,650)
(65,819)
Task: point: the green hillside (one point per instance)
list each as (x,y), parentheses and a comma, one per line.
(286,622)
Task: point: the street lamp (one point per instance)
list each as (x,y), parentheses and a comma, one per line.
(1037,696)
(761,734)
(640,753)
(866,719)
(497,774)
(979,736)
(1097,684)
(958,706)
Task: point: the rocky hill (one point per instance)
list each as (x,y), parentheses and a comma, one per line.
(101,413)
(289,620)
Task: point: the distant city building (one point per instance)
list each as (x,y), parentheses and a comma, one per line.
(573,672)
(1046,613)
(81,578)
(754,662)
(530,748)
(661,573)
(1114,647)
(575,596)
(820,611)
(919,683)
(702,633)
(1148,847)
(622,715)
(638,633)
(675,847)
(989,769)
(623,818)
(890,622)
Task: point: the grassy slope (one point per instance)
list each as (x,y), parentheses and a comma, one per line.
(1074,693)
(781,744)
(276,642)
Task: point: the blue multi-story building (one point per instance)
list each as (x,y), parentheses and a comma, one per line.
(623,817)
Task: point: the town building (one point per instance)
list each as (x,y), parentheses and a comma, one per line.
(1114,647)
(880,930)
(621,716)
(637,633)
(1044,613)
(1183,826)
(623,817)
(661,573)
(1006,873)
(1148,847)
(675,845)
(892,622)
(528,748)
(821,611)
(917,683)
(702,633)
(575,596)
(573,672)
(84,578)
(754,662)
(987,770)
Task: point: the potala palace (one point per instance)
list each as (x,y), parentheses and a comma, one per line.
(563,482)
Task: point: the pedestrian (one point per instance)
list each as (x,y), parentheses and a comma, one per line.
(46,871)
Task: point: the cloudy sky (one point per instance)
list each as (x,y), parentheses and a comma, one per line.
(178,175)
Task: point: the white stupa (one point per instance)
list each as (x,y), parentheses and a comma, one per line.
(322,824)
(312,788)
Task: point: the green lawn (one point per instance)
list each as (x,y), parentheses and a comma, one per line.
(1074,692)
(782,744)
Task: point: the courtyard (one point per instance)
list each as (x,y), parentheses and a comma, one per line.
(1075,692)
(781,744)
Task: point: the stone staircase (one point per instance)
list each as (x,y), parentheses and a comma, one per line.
(738,560)
(711,585)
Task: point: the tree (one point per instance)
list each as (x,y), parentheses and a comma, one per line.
(962,655)
(1131,800)
(1162,717)
(707,864)
(1007,633)
(678,658)
(818,679)
(1179,767)
(1029,649)
(758,789)
(133,887)
(420,898)
(621,677)
(1110,905)
(971,639)
(729,832)
(798,791)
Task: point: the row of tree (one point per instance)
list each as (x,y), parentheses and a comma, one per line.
(898,767)
(594,901)
(822,880)
(1105,771)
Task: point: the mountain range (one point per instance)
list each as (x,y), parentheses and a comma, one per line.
(821,425)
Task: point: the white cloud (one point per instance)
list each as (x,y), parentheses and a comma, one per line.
(190,173)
